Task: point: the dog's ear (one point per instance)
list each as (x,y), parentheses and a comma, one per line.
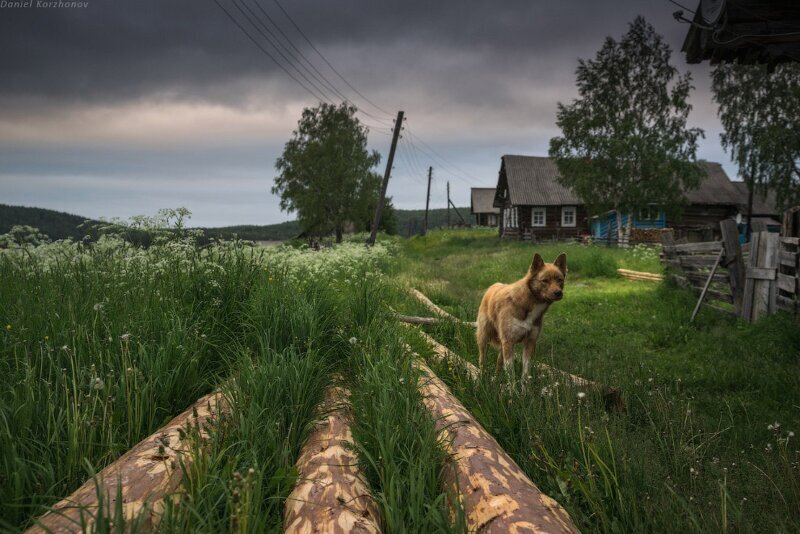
(561,263)
(536,264)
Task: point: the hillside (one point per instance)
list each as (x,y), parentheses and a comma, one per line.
(59,225)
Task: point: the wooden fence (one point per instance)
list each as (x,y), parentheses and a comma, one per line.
(748,280)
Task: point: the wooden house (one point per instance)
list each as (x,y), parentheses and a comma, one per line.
(535,206)
(482,206)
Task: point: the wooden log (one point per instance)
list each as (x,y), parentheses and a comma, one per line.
(412,319)
(498,497)
(698,261)
(331,494)
(146,475)
(701,277)
(612,396)
(436,309)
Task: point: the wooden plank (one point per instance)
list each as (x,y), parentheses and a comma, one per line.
(695,276)
(749,284)
(734,261)
(696,248)
(497,495)
(145,475)
(331,493)
(789,259)
(791,240)
(773,248)
(698,261)
(786,283)
(761,273)
(708,283)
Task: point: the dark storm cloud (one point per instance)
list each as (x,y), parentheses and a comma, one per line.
(122,49)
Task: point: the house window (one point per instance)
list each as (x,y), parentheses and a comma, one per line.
(510,217)
(650,213)
(538,217)
(568,216)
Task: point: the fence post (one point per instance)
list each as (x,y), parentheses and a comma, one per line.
(733,261)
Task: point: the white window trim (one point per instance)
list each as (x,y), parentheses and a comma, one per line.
(564,211)
(543,211)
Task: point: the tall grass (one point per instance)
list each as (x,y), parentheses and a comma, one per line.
(102,344)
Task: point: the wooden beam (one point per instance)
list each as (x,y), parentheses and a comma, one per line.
(436,309)
(708,283)
(331,495)
(145,476)
(734,261)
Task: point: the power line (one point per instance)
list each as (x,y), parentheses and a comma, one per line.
(289,17)
(263,50)
(445,162)
(267,36)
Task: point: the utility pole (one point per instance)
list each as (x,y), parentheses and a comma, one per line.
(448,204)
(427,201)
(379,208)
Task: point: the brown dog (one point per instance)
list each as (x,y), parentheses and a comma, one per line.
(512,313)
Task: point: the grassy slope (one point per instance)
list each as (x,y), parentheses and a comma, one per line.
(700,397)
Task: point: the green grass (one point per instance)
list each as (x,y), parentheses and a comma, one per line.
(99,348)
(693,451)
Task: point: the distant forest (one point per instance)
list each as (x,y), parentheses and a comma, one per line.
(60,225)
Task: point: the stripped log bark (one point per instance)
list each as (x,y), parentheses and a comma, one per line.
(331,495)
(144,476)
(496,494)
(636,275)
(436,309)
(612,396)
(413,319)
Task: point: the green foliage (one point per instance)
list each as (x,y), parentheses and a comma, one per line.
(624,142)
(55,224)
(760,111)
(325,170)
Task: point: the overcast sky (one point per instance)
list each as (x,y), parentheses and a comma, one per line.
(122,107)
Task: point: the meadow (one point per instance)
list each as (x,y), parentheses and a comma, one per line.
(707,441)
(104,342)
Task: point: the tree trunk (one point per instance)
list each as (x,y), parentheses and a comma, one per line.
(338,233)
(628,228)
(749,208)
(618,215)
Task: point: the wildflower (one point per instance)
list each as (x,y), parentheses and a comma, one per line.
(790,434)
(402,380)
(47,338)
(353,340)
(581,395)
(8,328)
(98,306)
(125,337)
(97,383)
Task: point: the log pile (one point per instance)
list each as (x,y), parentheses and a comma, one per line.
(646,235)
(638,275)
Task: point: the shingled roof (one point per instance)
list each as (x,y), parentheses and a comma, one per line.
(533,181)
(482,199)
(762,204)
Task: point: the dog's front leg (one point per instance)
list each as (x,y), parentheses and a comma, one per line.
(507,352)
(528,350)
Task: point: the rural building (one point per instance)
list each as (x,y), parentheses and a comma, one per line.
(766,215)
(534,205)
(482,206)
